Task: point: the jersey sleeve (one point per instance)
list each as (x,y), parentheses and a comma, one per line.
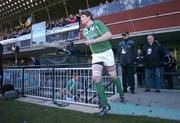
(68,85)
(102,27)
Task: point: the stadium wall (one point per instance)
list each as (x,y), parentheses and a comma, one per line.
(154,17)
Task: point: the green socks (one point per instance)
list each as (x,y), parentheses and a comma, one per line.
(101,94)
(117,82)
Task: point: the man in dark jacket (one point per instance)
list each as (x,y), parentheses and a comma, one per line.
(139,62)
(169,69)
(153,54)
(126,51)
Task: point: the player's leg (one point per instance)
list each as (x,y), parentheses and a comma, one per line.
(96,76)
(109,62)
(112,72)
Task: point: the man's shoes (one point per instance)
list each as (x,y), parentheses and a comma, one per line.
(104,110)
(147,90)
(158,91)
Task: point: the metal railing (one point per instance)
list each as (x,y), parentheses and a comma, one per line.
(50,82)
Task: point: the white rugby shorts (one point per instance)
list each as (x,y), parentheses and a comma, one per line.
(106,57)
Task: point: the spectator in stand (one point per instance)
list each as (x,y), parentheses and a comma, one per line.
(72,19)
(52,24)
(48,25)
(106,2)
(56,23)
(114,1)
(14,34)
(6,36)
(101,4)
(61,22)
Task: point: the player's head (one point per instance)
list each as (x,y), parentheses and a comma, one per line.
(86,16)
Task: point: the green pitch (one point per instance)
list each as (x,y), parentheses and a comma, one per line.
(20,112)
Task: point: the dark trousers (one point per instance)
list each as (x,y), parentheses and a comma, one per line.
(168,79)
(140,75)
(153,76)
(128,77)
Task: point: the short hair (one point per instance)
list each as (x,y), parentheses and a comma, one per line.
(87,13)
(125,33)
(151,35)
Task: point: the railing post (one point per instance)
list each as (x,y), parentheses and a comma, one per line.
(53,84)
(117,72)
(86,91)
(22,82)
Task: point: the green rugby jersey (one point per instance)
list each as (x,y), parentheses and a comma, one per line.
(96,30)
(72,87)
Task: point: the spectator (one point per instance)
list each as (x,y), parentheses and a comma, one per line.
(48,25)
(22,62)
(72,19)
(139,61)
(63,22)
(48,81)
(20,30)
(106,2)
(71,88)
(169,68)
(126,51)
(35,61)
(101,4)
(153,52)
(114,1)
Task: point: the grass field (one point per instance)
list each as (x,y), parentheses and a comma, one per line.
(21,112)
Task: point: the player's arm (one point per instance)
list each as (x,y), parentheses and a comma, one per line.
(104,31)
(104,37)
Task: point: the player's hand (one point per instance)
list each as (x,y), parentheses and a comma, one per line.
(90,41)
